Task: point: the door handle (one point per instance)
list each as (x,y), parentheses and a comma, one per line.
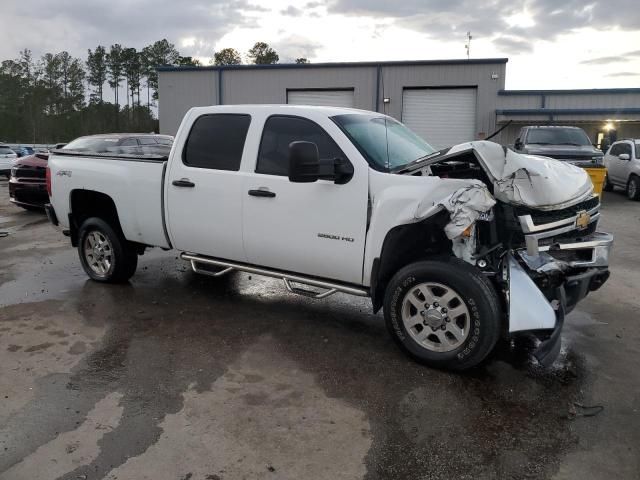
(261,193)
(183,182)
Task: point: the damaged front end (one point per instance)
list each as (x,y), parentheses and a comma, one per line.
(531,226)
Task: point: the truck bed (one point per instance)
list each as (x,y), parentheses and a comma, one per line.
(134,183)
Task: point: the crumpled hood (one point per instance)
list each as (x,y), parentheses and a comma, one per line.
(530,180)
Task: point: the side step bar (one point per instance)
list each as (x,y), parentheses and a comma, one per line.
(287,278)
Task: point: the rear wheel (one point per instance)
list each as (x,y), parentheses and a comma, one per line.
(106,255)
(633,188)
(445,314)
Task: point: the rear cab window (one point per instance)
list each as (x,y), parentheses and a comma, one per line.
(216,141)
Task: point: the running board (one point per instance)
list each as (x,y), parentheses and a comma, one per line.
(287,278)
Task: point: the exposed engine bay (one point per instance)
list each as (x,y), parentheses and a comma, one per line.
(530,223)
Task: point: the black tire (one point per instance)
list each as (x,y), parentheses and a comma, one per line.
(607,186)
(123,257)
(633,188)
(484,313)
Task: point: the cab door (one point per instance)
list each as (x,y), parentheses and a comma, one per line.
(317,228)
(204,187)
(616,166)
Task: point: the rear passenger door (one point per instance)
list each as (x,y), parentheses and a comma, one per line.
(315,228)
(204,188)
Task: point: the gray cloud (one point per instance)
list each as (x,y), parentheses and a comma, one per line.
(291,11)
(623,57)
(623,74)
(76,25)
(295,46)
(454,17)
(513,44)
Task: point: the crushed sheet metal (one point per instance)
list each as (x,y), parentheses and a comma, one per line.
(530,180)
(465,206)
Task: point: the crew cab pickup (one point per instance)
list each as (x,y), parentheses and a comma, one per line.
(459,247)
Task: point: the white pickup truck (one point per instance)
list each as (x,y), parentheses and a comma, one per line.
(461,246)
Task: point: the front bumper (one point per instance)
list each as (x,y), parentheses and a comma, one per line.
(569,271)
(33,194)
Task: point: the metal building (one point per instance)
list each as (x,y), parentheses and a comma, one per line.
(445,101)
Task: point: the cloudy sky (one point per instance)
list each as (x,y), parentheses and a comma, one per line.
(549,43)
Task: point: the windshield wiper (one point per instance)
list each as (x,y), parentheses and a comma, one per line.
(415,162)
(571,143)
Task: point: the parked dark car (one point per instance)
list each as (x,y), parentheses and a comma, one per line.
(570,144)
(123,144)
(27,185)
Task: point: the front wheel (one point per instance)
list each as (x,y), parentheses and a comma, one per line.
(106,255)
(633,188)
(445,314)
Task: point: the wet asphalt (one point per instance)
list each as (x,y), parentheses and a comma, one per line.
(178,376)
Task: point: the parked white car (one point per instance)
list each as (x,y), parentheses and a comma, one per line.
(7,156)
(459,246)
(623,167)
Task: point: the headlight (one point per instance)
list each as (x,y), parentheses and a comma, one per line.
(598,158)
(14,172)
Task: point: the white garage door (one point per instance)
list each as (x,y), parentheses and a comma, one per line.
(325,98)
(442,116)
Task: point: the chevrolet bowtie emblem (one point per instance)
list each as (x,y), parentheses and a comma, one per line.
(582,219)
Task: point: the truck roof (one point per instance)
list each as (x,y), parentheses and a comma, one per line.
(279,108)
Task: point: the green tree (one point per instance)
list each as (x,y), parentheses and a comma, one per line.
(159,53)
(227,56)
(132,71)
(97,69)
(115,72)
(302,60)
(188,62)
(51,76)
(262,54)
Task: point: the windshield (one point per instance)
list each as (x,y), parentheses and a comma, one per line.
(386,143)
(558,136)
(6,150)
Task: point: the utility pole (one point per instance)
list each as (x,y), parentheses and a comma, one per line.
(467,46)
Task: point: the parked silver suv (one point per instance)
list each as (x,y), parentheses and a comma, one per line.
(623,167)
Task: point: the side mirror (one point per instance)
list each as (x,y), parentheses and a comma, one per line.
(304,162)
(518,144)
(624,156)
(305,165)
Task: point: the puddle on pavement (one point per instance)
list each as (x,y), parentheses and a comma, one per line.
(172,332)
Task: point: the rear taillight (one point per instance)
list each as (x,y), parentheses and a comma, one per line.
(49,181)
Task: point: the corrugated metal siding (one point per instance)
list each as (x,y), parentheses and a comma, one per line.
(443,117)
(179,91)
(397,78)
(270,86)
(323,98)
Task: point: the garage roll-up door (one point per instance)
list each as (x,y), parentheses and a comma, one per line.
(325,98)
(442,116)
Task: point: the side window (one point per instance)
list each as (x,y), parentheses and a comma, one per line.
(216,141)
(615,149)
(279,131)
(147,141)
(625,148)
(129,142)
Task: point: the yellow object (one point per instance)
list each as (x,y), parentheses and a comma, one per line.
(597,175)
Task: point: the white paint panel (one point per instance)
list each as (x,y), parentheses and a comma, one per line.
(442,116)
(324,98)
